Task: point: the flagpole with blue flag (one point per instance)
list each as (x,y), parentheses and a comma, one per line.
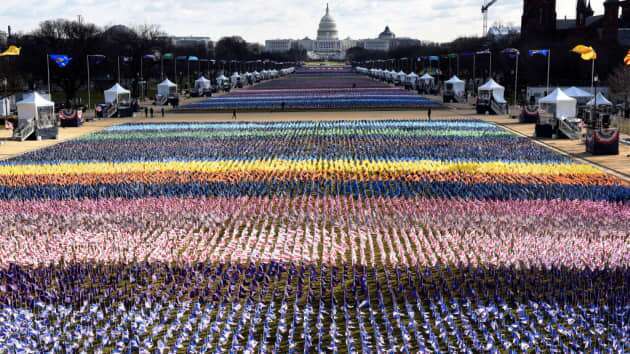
(546,53)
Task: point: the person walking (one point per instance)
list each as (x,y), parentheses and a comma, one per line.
(146,112)
(234,114)
(162,112)
(429,114)
(151,112)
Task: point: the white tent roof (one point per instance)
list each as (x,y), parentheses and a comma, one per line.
(202,79)
(455,80)
(557,96)
(35,99)
(577,93)
(235,75)
(561,104)
(117,89)
(412,75)
(167,83)
(112,94)
(601,101)
(28,107)
(426,77)
(491,85)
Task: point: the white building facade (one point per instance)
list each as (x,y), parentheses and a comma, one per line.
(327,44)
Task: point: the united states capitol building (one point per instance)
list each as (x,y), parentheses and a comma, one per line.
(328,46)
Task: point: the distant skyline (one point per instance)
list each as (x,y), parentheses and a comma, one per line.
(256,20)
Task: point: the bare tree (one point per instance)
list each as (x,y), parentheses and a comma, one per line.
(619,82)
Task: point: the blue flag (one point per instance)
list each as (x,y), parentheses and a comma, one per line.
(543,52)
(96,58)
(61,60)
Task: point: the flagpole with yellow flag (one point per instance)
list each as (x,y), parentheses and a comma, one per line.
(587,53)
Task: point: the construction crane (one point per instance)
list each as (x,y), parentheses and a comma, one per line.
(484,11)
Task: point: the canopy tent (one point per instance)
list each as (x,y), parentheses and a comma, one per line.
(32,105)
(580,95)
(413,78)
(221,79)
(601,101)
(497,90)
(202,83)
(560,104)
(457,85)
(235,78)
(166,88)
(117,93)
(426,78)
(402,76)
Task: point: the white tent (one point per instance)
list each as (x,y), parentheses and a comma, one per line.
(31,105)
(560,104)
(497,90)
(458,86)
(402,76)
(601,101)
(426,79)
(412,78)
(579,94)
(117,94)
(235,78)
(221,79)
(166,88)
(202,83)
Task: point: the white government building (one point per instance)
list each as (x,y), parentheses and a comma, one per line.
(329,46)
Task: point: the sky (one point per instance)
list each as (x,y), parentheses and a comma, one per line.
(257,20)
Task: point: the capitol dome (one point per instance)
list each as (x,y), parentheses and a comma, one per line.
(387,34)
(327,28)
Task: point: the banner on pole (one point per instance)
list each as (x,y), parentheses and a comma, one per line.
(61,60)
(543,52)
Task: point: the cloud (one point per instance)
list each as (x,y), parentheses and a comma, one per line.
(255,20)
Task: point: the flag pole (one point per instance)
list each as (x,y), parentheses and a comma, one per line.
(141,78)
(48,70)
(548,69)
(490,54)
(593,80)
(516,78)
(87,60)
(474,73)
(457,64)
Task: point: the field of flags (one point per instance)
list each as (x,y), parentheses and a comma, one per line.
(324,237)
(315,89)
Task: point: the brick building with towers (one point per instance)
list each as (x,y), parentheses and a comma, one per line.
(540,22)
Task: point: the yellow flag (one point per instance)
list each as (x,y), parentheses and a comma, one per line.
(11,51)
(587,53)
